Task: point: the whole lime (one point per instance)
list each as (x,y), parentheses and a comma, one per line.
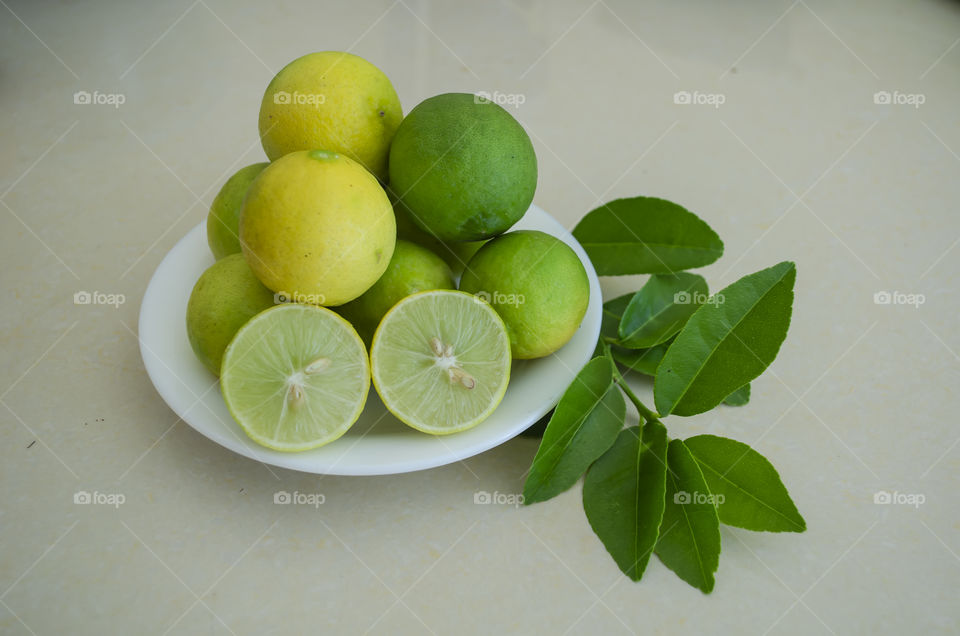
(464,166)
(412,269)
(223,222)
(224,298)
(536,283)
(317,228)
(331,101)
(456,255)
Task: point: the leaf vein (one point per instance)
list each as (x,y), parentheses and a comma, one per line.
(745,491)
(713,350)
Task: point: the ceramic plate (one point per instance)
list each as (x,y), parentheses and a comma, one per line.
(378,444)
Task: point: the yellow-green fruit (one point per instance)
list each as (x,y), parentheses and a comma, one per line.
(457,255)
(536,283)
(223,222)
(225,297)
(317,228)
(331,101)
(412,269)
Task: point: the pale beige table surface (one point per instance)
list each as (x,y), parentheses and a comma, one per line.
(799,162)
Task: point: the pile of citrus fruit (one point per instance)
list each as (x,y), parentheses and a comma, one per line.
(338,261)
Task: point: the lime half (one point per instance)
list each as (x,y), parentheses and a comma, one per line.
(295,377)
(441,361)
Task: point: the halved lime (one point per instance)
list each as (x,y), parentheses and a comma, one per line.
(295,377)
(441,361)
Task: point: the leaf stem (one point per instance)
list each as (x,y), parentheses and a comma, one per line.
(645,413)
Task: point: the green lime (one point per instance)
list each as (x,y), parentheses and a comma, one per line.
(317,228)
(536,283)
(225,297)
(464,166)
(441,361)
(223,222)
(456,255)
(412,269)
(295,377)
(334,101)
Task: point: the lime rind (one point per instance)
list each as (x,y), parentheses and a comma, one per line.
(295,377)
(440,361)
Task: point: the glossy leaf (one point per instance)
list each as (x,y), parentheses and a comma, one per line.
(740,397)
(646,235)
(623,496)
(612,314)
(689,542)
(584,425)
(753,497)
(728,342)
(610,322)
(660,309)
(643,361)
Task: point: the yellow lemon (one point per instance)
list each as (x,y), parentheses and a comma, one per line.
(317,228)
(331,101)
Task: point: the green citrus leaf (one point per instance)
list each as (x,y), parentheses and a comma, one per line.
(584,425)
(612,314)
(728,342)
(747,488)
(689,542)
(646,235)
(739,397)
(643,361)
(610,321)
(660,309)
(623,496)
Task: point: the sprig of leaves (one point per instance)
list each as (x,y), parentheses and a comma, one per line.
(644,493)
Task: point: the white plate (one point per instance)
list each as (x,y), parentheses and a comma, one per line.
(378,444)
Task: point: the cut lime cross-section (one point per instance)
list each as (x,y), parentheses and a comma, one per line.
(441,361)
(295,377)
